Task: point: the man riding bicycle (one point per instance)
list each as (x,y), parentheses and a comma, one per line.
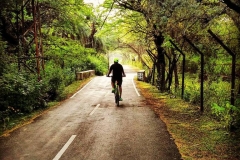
(117,74)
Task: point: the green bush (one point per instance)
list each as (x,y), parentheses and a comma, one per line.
(214,91)
(97,63)
(228,114)
(190,66)
(53,81)
(217,91)
(192,91)
(21,91)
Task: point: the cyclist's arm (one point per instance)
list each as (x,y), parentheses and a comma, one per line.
(123,73)
(110,70)
(109,73)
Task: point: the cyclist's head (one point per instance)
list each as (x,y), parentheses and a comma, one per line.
(116,60)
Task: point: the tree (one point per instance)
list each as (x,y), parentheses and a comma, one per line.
(153,28)
(60,30)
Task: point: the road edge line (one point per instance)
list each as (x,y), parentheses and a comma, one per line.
(135,87)
(81,89)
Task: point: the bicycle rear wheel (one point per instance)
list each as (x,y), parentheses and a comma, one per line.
(117,97)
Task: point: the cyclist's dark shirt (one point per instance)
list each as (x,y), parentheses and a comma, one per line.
(117,70)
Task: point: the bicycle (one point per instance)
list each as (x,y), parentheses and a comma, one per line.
(116,92)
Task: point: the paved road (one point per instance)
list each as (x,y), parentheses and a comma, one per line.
(89,126)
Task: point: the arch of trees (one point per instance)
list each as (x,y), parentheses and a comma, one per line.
(202,36)
(54,39)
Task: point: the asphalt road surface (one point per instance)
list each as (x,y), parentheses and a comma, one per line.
(89,126)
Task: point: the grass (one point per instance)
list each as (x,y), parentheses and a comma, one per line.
(23,119)
(197,135)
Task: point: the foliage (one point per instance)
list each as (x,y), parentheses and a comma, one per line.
(65,58)
(3,59)
(21,92)
(12,118)
(192,93)
(228,114)
(217,92)
(97,63)
(55,79)
(214,91)
(65,31)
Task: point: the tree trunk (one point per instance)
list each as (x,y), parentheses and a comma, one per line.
(160,64)
(176,77)
(171,70)
(153,74)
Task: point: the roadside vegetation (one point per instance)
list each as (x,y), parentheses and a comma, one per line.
(34,78)
(197,135)
(18,119)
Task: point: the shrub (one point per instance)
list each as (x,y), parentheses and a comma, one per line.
(214,91)
(99,64)
(228,114)
(217,91)
(192,91)
(53,81)
(21,91)
(190,66)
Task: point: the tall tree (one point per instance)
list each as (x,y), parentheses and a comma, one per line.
(148,9)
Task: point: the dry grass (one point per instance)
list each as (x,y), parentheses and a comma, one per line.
(197,135)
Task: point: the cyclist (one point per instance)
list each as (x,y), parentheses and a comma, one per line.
(117,72)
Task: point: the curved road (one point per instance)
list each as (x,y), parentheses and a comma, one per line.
(89,126)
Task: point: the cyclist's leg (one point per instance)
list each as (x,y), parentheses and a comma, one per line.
(120,91)
(113,84)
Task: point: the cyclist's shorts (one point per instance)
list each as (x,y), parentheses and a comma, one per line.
(119,81)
